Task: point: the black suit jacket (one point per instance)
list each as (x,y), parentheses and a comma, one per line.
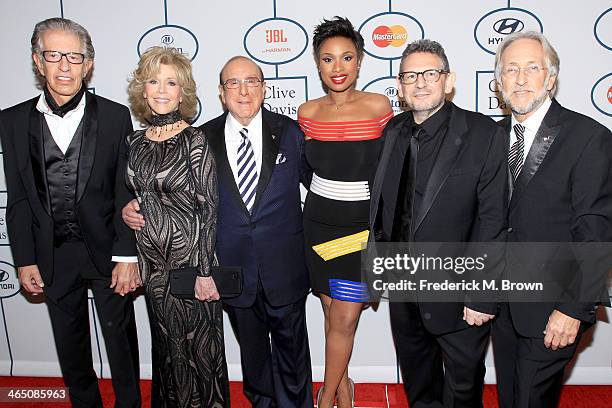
(563,194)
(101,190)
(465,199)
(267,243)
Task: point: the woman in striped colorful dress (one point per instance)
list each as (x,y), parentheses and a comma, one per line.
(343,130)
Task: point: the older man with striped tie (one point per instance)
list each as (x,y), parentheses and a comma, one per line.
(259,160)
(561,165)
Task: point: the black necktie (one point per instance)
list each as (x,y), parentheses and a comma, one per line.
(515,155)
(410,179)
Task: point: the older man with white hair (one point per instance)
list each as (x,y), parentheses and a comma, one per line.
(561,166)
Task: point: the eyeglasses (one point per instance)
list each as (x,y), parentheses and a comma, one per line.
(233,83)
(514,71)
(429,75)
(56,56)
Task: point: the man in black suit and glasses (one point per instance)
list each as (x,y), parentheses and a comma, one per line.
(64,161)
(561,166)
(441,178)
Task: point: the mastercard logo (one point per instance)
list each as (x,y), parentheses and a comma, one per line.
(384,36)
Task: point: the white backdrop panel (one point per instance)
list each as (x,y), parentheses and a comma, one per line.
(210,32)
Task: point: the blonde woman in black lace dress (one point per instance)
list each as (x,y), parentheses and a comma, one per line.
(172,173)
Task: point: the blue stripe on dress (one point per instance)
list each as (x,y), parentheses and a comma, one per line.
(349,291)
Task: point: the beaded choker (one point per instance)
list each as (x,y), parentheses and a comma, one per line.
(166,119)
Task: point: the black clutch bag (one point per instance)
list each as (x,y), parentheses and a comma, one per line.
(182,282)
(228,281)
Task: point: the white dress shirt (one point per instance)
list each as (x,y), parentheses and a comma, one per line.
(63,130)
(532,124)
(233,141)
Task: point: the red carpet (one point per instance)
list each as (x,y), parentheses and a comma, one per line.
(367,395)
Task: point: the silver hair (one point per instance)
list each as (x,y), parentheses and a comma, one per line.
(551,58)
(62,24)
(428,46)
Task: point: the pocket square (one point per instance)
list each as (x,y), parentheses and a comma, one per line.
(280,158)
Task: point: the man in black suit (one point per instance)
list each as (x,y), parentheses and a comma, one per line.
(259,228)
(441,178)
(561,166)
(64,161)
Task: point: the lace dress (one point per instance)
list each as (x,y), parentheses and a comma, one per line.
(180,208)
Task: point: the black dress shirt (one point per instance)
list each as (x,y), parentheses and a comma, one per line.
(429,136)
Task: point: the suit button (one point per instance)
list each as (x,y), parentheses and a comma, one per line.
(427,316)
(67,187)
(253,226)
(510,229)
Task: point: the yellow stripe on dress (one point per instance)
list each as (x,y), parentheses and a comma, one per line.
(342,246)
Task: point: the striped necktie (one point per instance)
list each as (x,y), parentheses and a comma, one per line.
(247,170)
(515,155)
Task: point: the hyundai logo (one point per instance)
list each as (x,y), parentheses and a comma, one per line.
(391,92)
(4,275)
(507,26)
(167,39)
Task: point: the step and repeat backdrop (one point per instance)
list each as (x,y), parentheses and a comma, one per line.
(278,34)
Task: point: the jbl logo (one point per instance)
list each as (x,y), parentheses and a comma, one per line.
(276,36)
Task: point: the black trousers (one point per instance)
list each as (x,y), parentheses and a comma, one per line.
(274,352)
(528,374)
(445,370)
(68,308)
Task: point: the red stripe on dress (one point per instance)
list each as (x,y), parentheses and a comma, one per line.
(349,131)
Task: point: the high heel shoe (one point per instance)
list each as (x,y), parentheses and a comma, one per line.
(351,392)
(352,388)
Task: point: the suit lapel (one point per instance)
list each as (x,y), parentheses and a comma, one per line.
(88,144)
(224,170)
(269,150)
(545,136)
(450,151)
(391,134)
(37,153)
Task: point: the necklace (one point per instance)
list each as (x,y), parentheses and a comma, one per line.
(165,122)
(338,106)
